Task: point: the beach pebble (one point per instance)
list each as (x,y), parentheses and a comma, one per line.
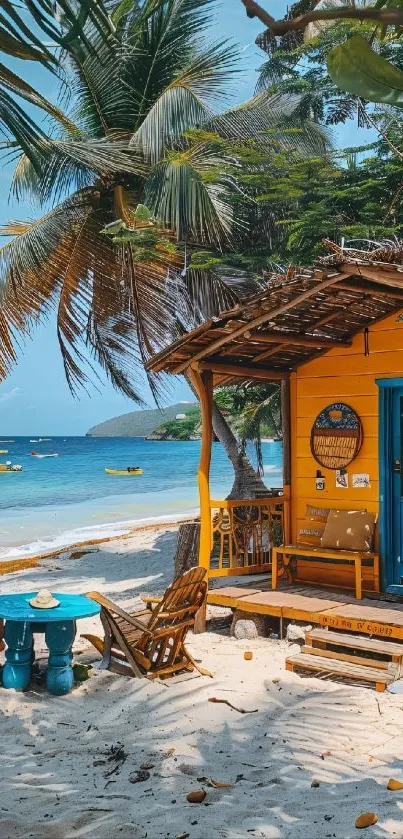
(139,776)
(197,796)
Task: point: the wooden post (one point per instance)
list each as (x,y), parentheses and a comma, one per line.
(286,425)
(203,384)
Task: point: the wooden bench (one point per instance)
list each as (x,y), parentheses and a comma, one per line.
(353,557)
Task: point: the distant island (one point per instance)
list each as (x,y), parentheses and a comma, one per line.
(143,423)
(178,422)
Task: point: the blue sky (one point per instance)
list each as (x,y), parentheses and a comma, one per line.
(35,399)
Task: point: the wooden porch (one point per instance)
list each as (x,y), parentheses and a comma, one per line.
(334,609)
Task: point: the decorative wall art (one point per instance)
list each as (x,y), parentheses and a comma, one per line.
(361,480)
(320,480)
(336,436)
(341,479)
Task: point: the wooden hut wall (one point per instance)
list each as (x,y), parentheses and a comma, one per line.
(349,376)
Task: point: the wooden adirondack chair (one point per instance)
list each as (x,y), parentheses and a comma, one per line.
(151,642)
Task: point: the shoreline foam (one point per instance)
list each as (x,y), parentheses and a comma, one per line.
(32,551)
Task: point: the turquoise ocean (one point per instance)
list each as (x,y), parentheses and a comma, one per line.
(56,502)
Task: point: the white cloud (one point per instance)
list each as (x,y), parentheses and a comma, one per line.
(9,394)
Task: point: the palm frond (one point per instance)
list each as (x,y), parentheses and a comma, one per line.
(187,192)
(32,266)
(270,116)
(15,123)
(104,100)
(64,165)
(186,101)
(17,38)
(164,36)
(16,85)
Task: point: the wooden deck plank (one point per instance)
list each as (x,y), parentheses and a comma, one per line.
(283,604)
(311,604)
(292,601)
(233,591)
(366,608)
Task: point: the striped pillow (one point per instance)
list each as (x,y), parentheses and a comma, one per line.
(317,513)
(311,534)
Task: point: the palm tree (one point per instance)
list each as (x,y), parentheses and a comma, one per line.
(142,158)
(257,405)
(137,173)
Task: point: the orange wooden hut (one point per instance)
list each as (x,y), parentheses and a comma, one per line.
(333,337)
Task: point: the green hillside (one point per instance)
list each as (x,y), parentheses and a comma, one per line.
(139,423)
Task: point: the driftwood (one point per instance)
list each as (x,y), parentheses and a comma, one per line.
(230,705)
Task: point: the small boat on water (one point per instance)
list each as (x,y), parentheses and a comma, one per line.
(6,468)
(37,454)
(3,451)
(131,470)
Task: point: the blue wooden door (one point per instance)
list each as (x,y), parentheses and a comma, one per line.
(395,581)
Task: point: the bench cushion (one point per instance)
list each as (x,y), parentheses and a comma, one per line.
(317,513)
(311,534)
(311,531)
(349,530)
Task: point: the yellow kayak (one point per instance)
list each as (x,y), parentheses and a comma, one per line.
(3,451)
(133,471)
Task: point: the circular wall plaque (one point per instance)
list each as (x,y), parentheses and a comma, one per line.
(336,436)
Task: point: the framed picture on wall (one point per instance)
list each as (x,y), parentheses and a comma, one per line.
(361,479)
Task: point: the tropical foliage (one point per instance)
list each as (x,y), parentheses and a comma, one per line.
(354,65)
(139,174)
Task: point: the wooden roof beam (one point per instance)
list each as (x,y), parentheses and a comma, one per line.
(317,288)
(267,353)
(383,291)
(378,275)
(327,318)
(238,371)
(292,338)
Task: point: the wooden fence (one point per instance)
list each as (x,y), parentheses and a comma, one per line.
(243,534)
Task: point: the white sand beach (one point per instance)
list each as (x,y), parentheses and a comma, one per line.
(69,764)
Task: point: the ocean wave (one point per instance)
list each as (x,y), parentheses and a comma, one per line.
(83,535)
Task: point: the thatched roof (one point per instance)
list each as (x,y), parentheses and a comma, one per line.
(295,317)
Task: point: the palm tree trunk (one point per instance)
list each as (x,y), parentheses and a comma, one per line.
(247,483)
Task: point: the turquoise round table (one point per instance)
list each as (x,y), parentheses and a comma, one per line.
(59,626)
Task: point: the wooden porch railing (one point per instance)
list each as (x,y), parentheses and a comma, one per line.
(243,534)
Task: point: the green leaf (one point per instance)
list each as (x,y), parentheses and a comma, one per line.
(356,68)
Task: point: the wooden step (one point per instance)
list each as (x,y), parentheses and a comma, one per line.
(391,667)
(380,678)
(357,642)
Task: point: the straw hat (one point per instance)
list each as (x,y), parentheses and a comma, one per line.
(44,600)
